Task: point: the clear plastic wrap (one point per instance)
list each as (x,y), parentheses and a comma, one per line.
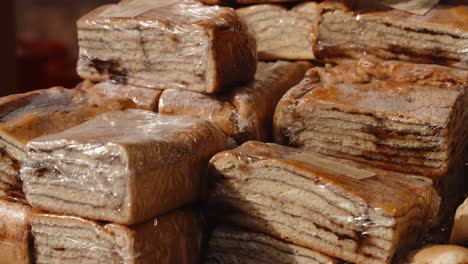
(340,208)
(14,230)
(246,112)
(125,166)
(282,33)
(440,36)
(172,238)
(144,98)
(42,112)
(166,44)
(234,245)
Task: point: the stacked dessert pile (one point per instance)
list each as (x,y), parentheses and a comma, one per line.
(409,118)
(102,183)
(404,122)
(94,175)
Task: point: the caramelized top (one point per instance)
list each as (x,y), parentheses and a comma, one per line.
(392,192)
(422,93)
(31,115)
(169,14)
(450,19)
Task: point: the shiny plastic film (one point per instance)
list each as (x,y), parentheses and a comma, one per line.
(359,213)
(26,116)
(246,112)
(283,33)
(124,166)
(350,30)
(234,245)
(166,44)
(144,98)
(14,231)
(175,237)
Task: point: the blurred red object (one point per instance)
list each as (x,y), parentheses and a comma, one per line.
(43,64)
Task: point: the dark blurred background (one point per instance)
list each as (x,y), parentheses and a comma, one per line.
(39,47)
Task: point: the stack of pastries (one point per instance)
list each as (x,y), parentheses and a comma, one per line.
(245,131)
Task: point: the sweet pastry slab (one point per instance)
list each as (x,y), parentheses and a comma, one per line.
(340,208)
(14,231)
(144,98)
(283,34)
(347,32)
(124,166)
(246,112)
(172,238)
(399,116)
(166,44)
(234,245)
(26,116)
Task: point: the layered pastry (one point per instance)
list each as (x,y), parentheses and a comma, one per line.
(460,226)
(144,98)
(172,238)
(404,117)
(166,44)
(340,208)
(282,33)
(229,245)
(348,32)
(124,166)
(14,230)
(246,112)
(26,116)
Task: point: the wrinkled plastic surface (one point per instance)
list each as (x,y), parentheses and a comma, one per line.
(146,99)
(14,231)
(166,44)
(26,116)
(124,166)
(368,213)
(440,36)
(404,117)
(175,237)
(246,112)
(234,245)
(283,33)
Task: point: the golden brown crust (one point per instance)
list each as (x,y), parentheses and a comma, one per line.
(392,192)
(439,37)
(14,232)
(268,188)
(245,113)
(374,98)
(227,50)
